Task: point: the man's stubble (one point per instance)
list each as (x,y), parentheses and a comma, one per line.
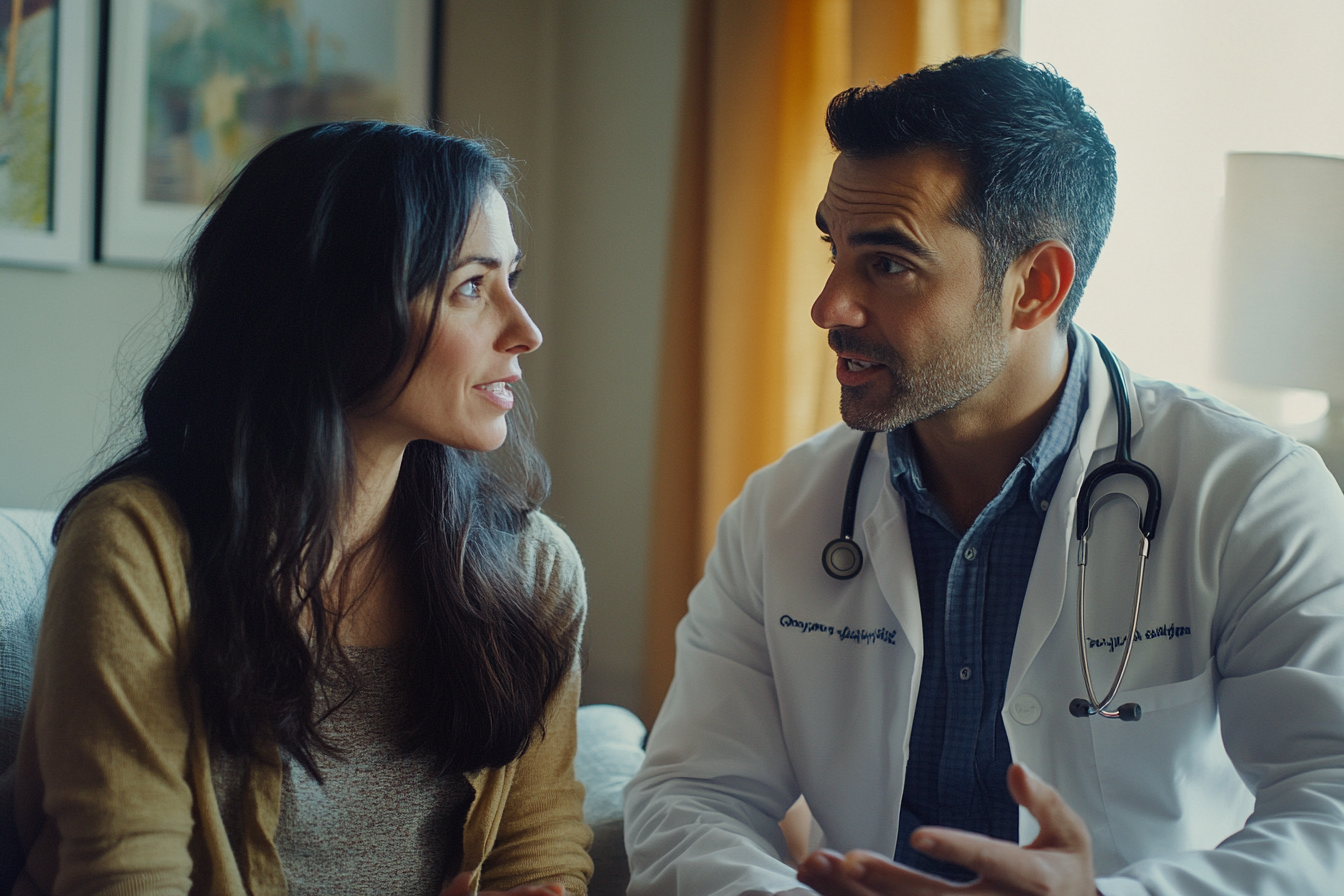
(961,368)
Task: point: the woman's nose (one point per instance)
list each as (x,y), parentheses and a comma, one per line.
(520,334)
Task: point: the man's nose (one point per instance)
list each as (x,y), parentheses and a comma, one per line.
(836,305)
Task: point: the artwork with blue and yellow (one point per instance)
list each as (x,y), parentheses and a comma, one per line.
(27,112)
(228,76)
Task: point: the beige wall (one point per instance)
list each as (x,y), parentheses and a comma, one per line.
(583,92)
(74,345)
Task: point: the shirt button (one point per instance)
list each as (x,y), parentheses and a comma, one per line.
(965,673)
(1045,505)
(969,554)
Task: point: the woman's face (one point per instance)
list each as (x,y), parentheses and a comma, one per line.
(460,391)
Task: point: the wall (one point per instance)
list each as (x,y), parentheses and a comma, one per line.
(583,92)
(73,345)
(1177,86)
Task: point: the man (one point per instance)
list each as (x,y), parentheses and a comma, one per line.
(965,210)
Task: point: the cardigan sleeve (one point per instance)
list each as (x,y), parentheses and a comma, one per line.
(541,836)
(102,771)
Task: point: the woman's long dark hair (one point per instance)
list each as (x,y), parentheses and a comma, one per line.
(299,286)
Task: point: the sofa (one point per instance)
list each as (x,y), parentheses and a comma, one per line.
(610,737)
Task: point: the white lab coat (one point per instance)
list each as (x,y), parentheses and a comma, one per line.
(789,682)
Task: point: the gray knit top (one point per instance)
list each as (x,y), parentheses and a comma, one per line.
(381,822)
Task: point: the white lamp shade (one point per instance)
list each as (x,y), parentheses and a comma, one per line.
(1281,285)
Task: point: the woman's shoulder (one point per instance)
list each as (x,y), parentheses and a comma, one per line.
(120,572)
(126,516)
(136,501)
(549,558)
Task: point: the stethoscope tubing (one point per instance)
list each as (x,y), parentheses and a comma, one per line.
(1122,465)
(1099,706)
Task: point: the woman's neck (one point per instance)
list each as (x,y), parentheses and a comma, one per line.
(368,593)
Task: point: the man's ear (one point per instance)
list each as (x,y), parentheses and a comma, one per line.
(1039,280)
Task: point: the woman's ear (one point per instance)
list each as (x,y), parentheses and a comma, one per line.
(1040,280)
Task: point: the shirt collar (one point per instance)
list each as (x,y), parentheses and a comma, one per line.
(1045,459)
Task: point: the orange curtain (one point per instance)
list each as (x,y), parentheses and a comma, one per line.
(744,372)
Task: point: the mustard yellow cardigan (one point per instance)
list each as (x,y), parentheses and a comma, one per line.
(113,792)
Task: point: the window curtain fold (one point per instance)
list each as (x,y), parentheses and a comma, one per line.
(744,372)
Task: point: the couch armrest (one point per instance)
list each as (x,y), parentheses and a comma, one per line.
(611,750)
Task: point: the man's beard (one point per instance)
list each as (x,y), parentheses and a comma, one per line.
(961,368)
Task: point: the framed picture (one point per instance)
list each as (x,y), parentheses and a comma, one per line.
(47,54)
(196,87)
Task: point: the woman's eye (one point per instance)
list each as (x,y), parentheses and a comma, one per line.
(471,289)
(887,265)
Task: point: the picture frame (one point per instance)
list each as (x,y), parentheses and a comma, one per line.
(46,136)
(195,87)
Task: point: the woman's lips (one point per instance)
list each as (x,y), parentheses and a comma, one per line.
(852,371)
(500,392)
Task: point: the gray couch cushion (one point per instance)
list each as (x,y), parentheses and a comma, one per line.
(25,554)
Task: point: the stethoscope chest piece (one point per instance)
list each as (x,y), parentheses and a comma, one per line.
(842,558)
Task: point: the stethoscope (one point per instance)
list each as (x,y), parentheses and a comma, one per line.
(843,559)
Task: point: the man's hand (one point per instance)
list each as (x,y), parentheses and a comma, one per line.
(461,886)
(1057,863)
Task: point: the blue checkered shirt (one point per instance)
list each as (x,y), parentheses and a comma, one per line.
(971,586)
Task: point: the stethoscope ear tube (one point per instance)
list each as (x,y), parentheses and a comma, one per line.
(1125,712)
(1153,506)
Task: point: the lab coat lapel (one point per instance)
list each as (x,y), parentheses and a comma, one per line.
(887,546)
(1050,572)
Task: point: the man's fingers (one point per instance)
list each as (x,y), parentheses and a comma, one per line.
(826,872)
(881,874)
(994,860)
(1061,827)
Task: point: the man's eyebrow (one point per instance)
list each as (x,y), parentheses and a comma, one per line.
(883,236)
(889,236)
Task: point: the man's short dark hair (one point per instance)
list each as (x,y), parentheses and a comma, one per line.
(1038,163)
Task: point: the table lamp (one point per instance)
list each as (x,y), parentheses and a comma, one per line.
(1280,320)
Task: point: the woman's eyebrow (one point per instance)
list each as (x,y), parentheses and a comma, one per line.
(489,261)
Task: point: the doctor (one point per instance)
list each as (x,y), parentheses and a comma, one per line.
(965,210)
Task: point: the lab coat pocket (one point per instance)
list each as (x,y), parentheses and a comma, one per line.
(1167,783)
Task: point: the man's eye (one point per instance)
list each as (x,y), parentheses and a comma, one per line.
(887,265)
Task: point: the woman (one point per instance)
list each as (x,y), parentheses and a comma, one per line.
(307,635)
